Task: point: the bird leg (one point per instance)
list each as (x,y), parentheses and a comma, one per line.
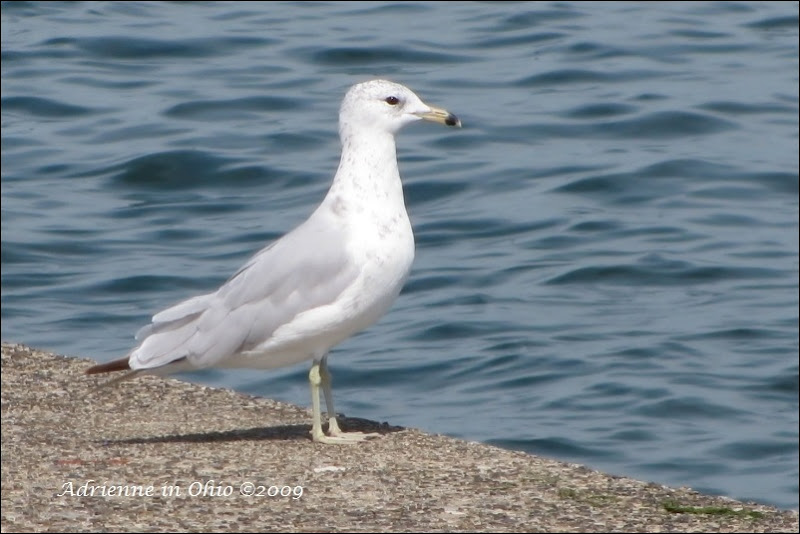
(319,375)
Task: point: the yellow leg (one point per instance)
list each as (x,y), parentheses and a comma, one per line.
(316,420)
(319,375)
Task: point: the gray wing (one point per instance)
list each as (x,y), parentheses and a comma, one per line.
(307,268)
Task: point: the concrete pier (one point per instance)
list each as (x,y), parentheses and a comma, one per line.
(156,454)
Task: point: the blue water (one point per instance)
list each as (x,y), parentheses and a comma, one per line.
(607,252)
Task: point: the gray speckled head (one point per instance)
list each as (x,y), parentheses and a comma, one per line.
(381,105)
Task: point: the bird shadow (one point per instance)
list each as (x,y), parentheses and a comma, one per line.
(298,432)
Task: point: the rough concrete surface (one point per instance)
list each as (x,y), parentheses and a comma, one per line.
(225,456)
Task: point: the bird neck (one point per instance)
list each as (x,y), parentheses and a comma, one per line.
(368,172)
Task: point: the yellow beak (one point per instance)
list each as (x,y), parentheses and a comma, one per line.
(442,116)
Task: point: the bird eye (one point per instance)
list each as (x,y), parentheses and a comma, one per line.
(392,100)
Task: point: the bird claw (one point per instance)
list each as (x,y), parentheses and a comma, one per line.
(337,435)
(347,438)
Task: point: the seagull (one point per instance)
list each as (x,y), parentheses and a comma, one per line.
(327,279)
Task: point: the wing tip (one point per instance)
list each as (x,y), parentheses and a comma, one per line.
(109,367)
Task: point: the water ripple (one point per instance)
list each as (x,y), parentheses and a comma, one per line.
(376,55)
(239,108)
(570,76)
(44,107)
(141,48)
(667,273)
